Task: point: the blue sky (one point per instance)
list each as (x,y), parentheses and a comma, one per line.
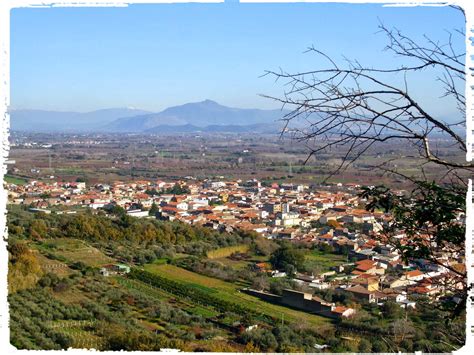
(156,56)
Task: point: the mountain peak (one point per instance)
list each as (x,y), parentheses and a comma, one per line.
(197,114)
(209,102)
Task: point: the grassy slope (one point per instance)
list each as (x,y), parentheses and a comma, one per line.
(224,252)
(76,250)
(230,292)
(54,266)
(324,261)
(165,296)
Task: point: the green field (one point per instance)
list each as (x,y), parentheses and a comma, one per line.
(323,261)
(230,292)
(165,296)
(234,264)
(14,180)
(241,264)
(227,251)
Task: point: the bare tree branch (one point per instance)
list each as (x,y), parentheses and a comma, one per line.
(352,107)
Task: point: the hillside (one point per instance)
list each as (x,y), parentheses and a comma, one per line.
(205,114)
(183,290)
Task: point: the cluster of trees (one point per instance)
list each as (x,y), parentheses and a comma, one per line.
(338,297)
(406,330)
(285,338)
(56,283)
(37,317)
(23,267)
(30,312)
(117,309)
(274,285)
(113,312)
(127,238)
(177,189)
(263,246)
(138,340)
(209,268)
(288,258)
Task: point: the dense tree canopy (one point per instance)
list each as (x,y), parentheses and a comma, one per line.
(287,258)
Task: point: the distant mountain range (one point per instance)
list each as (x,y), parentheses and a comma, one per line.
(55,121)
(204,116)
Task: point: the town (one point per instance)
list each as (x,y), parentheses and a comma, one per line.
(240,178)
(330,217)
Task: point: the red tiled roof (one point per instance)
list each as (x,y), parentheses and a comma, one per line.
(170,209)
(339,309)
(413,273)
(365,262)
(365,265)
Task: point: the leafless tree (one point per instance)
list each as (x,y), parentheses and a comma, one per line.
(353,107)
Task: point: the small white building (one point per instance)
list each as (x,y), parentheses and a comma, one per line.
(138,213)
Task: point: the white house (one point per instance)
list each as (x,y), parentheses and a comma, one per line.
(138,213)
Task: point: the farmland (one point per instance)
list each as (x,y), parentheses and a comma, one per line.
(75,250)
(193,312)
(246,156)
(227,251)
(60,268)
(230,292)
(323,261)
(15,180)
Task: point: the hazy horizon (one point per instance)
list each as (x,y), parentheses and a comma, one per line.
(152,57)
(137,108)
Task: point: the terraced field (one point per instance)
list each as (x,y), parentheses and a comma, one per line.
(76,250)
(229,292)
(54,266)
